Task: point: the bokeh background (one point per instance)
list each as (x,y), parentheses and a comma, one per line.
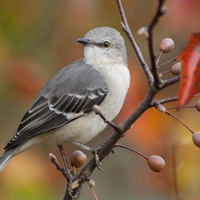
(37,39)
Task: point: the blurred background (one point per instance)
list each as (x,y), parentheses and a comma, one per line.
(37,39)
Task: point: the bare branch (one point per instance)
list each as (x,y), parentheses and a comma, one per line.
(130,149)
(155,85)
(171,81)
(54,160)
(109,144)
(176,118)
(127,30)
(163,101)
(169,61)
(154,21)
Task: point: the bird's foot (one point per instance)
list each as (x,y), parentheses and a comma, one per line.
(93,150)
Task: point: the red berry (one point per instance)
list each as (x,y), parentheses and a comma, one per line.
(156,163)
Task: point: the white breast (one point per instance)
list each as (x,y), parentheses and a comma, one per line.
(86,127)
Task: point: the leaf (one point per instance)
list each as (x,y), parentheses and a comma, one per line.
(190,76)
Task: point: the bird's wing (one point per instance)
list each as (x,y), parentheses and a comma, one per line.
(69,95)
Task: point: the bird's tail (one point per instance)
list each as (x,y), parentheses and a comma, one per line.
(10,153)
(6,156)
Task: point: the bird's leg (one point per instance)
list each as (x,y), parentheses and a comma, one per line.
(62,152)
(87,147)
(70,176)
(93,150)
(66,172)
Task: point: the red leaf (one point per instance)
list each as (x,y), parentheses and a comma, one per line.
(190,77)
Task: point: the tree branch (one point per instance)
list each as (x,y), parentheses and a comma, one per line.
(154,83)
(109,145)
(171,81)
(136,48)
(159,13)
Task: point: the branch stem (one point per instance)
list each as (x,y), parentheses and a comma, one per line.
(154,21)
(136,48)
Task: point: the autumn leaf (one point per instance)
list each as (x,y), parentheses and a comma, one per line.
(190,76)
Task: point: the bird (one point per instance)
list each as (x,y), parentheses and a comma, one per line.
(62,111)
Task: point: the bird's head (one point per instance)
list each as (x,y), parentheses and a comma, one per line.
(103,46)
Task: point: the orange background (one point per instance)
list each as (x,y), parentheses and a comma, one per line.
(38,38)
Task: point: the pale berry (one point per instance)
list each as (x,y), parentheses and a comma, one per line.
(166,45)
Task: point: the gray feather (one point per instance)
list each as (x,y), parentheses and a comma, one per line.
(69,95)
(5,157)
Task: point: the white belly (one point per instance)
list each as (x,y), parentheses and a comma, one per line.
(86,127)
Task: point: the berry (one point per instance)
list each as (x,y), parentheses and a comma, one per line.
(198,105)
(166,45)
(91,183)
(156,163)
(176,69)
(78,159)
(196,138)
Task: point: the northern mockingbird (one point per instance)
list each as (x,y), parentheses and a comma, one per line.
(62,110)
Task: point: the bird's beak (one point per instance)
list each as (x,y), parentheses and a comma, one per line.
(83,41)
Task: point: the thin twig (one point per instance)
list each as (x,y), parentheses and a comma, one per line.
(163,101)
(128,122)
(154,21)
(165,72)
(54,160)
(109,144)
(127,30)
(107,148)
(171,81)
(130,149)
(169,61)
(117,128)
(94,193)
(175,107)
(158,59)
(68,172)
(176,118)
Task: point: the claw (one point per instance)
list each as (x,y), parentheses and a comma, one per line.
(98,163)
(114,153)
(94,150)
(77,195)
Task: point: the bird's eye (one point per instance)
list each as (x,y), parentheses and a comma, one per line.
(106,44)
